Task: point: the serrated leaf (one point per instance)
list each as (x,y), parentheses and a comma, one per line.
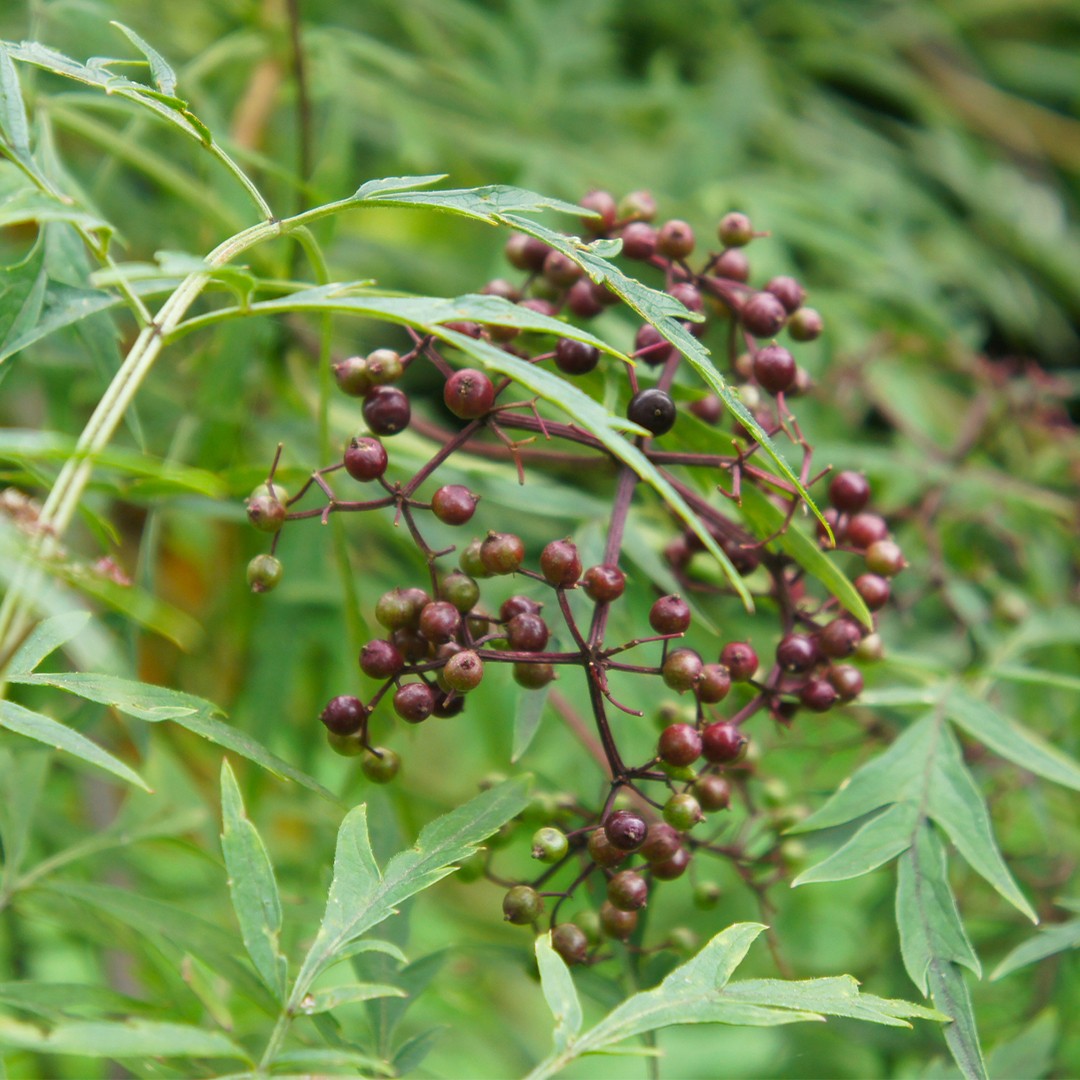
(129,1038)
(559,993)
(949,990)
(1047,942)
(699,991)
(324,1000)
(931,931)
(45,639)
(163,75)
(877,842)
(44,729)
(144,701)
(1011,740)
(252,886)
(14,126)
(954,802)
(528,713)
(766,518)
(488,203)
(388,184)
(361,898)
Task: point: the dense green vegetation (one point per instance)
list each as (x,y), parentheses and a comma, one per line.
(917,168)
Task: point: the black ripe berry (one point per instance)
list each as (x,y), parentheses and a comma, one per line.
(625,830)
(469,394)
(365,459)
(387,410)
(575,357)
(344,715)
(819,695)
(796,653)
(774,368)
(527,632)
(653,409)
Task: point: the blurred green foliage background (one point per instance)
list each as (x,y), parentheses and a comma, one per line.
(918,166)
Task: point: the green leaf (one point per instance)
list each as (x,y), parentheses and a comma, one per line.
(931,931)
(879,841)
(699,991)
(315,1061)
(1011,740)
(144,701)
(324,1000)
(35,725)
(164,77)
(413,1051)
(559,993)
(528,713)
(488,203)
(361,898)
(53,999)
(955,803)
(129,1038)
(766,518)
(45,639)
(61,305)
(14,126)
(252,887)
(1036,676)
(1047,942)
(22,295)
(949,990)
(387,184)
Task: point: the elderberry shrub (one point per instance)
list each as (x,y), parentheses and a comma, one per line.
(437,640)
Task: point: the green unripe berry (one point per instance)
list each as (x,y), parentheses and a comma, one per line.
(522,905)
(706,895)
(264,573)
(266,509)
(549,844)
(345,745)
(381,766)
(683,812)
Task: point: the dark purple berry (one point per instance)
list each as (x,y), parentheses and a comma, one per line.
(381,659)
(625,830)
(602,851)
(414,702)
(570,942)
(874,589)
(762,315)
(733,265)
(670,615)
(846,680)
(774,368)
(560,269)
(518,605)
(344,715)
(653,409)
(469,394)
(365,459)
(849,492)
(439,621)
(680,744)
(604,583)
(503,288)
(575,357)
(708,409)
(411,644)
(560,563)
(448,704)
(797,653)
(616,923)
(687,295)
(661,842)
(672,868)
(502,553)
(723,743)
(818,695)
(788,291)
(651,346)
(839,638)
(454,504)
(639,240)
(713,684)
(526,252)
(628,891)
(740,660)
(675,239)
(603,204)
(865,529)
(527,633)
(583,302)
(387,410)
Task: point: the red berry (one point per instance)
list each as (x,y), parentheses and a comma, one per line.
(874,590)
(344,715)
(849,492)
(454,504)
(713,792)
(680,744)
(762,315)
(670,615)
(439,621)
(381,659)
(846,680)
(675,239)
(661,842)
(502,553)
(387,410)
(365,459)
(774,368)
(527,633)
(740,660)
(788,291)
(723,743)
(797,653)
(469,394)
(818,695)
(414,702)
(865,529)
(671,868)
(604,583)
(628,891)
(713,684)
(885,558)
(560,563)
(639,240)
(682,669)
(839,638)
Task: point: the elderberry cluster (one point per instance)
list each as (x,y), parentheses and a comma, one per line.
(657,816)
